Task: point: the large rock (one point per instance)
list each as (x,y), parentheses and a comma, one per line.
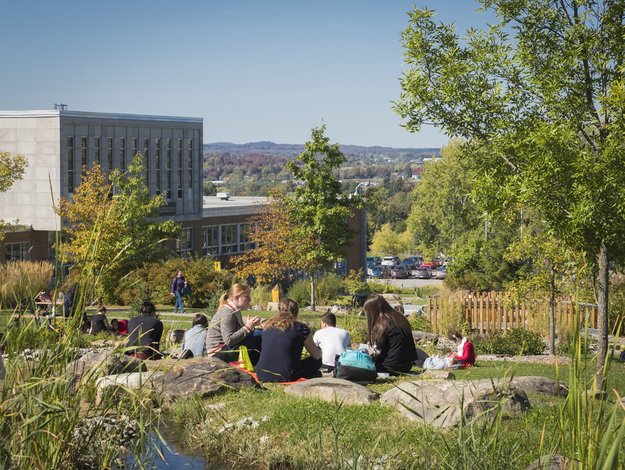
(102,363)
(203,376)
(442,403)
(124,383)
(333,390)
(538,384)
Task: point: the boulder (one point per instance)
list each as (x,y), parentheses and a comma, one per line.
(102,363)
(438,374)
(205,376)
(539,384)
(123,383)
(333,390)
(550,462)
(442,403)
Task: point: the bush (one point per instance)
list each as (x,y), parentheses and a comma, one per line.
(420,323)
(261,296)
(300,292)
(329,288)
(355,284)
(153,280)
(514,342)
(22,281)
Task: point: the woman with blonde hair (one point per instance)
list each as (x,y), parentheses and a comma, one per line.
(227,330)
(282,343)
(390,335)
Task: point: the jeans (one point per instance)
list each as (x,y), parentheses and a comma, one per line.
(179,302)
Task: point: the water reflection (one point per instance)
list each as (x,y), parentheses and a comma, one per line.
(161,456)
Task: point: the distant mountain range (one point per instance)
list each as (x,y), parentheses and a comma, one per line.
(292,150)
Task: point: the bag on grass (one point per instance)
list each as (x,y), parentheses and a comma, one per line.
(355,365)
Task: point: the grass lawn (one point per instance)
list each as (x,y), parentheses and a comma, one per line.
(298,433)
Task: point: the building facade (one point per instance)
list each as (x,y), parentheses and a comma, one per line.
(58,144)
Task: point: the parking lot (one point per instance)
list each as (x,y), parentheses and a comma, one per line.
(411,283)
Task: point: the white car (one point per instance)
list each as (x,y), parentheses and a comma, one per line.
(390,261)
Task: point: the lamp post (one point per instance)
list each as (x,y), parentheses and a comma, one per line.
(362,183)
(363,231)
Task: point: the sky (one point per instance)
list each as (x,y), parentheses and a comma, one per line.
(253,70)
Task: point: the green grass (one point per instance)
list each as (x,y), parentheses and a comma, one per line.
(308,433)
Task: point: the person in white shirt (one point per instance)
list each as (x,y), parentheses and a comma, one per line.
(332,340)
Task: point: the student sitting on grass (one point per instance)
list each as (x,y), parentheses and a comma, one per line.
(194,342)
(390,335)
(99,322)
(145,334)
(332,340)
(283,340)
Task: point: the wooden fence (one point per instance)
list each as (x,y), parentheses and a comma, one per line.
(487,312)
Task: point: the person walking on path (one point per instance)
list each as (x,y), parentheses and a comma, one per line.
(178,283)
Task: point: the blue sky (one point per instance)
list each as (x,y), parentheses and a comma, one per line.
(254,70)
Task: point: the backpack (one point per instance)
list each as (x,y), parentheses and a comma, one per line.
(355,365)
(186,290)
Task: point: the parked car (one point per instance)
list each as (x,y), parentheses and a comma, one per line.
(400,272)
(440,273)
(412,262)
(429,264)
(377,271)
(373,260)
(422,272)
(390,261)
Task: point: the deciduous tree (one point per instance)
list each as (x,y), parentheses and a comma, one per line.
(109,225)
(541,94)
(11,170)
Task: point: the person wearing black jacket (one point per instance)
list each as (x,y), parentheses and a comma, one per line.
(390,335)
(145,333)
(176,288)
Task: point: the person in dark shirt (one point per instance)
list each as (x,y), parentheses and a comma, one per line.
(283,340)
(99,322)
(390,335)
(176,288)
(145,334)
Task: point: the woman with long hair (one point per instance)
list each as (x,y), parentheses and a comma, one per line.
(390,335)
(283,341)
(227,330)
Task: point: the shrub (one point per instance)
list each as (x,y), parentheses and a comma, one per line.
(153,280)
(261,296)
(22,281)
(300,292)
(419,323)
(329,288)
(514,342)
(355,283)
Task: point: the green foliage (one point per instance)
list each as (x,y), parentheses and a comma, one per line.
(329,288)
(513,342)
(387,241)
(152,282)
(355,283)
(419,323)
(11,169)
(453,318)
(261,296)
(300,292)
(111,228)
(539,98)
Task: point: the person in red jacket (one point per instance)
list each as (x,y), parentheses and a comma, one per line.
(465,353)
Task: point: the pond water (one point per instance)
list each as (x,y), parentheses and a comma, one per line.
(173,454)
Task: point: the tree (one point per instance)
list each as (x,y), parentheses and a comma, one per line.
(109,225)
(387,241)
(318,208)
(306,230)
(541,93)
(11,170)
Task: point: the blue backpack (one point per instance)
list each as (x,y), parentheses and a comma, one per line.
(355,365)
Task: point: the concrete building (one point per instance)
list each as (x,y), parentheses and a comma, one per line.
(60,143)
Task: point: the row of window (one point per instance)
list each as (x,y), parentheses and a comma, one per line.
(153,162)
(19,251)
(216,240)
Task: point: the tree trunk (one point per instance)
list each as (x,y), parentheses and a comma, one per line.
(552,313)
(312,292)
(602,314)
